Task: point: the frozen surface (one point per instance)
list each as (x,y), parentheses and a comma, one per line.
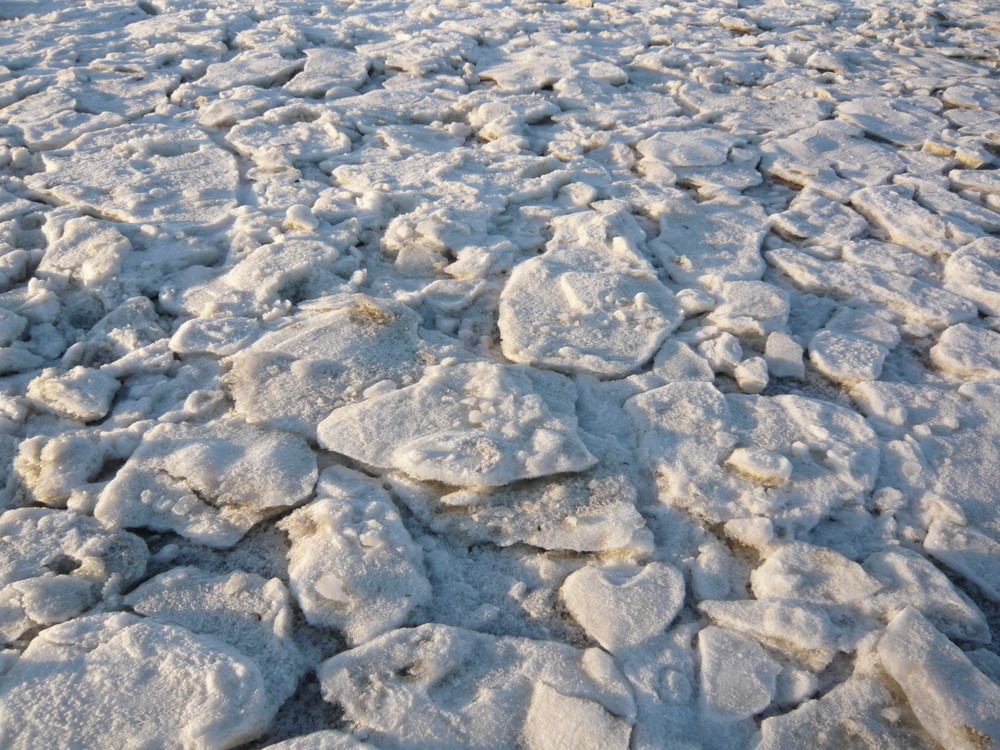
(428,375)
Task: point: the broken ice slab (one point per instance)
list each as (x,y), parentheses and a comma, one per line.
(624,605)
(56,564)
(720,238)
(954,702)
(973,272)
(590,511)
(208,482)
(441,686)
(375,579)
(75,685)
(143,173)
(917,301)
(721,457)
(466,425)
(327,357)
(563,315)
(248,612)
(968,352)
(860,709)
(904,221)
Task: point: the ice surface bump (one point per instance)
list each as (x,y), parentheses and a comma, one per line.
(426,375)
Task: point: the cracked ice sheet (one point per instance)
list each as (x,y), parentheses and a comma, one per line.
(222,226)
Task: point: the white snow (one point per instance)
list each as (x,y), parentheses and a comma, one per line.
(564,375)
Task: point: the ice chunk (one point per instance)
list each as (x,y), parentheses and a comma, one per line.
(954,702)
(704,147)
(980,180)
(102,681)
(783,355)
(818,220)
(248,612)
(293,377)
(723,457)
(678,361)
(903,121)
(352,564)
(624,606)
(738,677)
(289,269)
(751,375)
(846,358)
(556,721)
(967,551)
(916,300)
(587,512)
(55,564)
(563,316)
(328,739)
(143,172)
(886,256)
(219,337)
(858,714)
(52,469)
(129,327)
(489,425)
(719,238)
(209,482)
(832,158)
(797,570)
(439,686)
(723,352)
(751,309)
(973,272)
(12,326)
(328,68)
(912,580)
(291,136)
(81,393)
(86,251)
(907,223)
(968,352)
(591,303)
(802,629)
(760,465)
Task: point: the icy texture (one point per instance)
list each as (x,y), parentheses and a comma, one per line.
(161,684)
(475,424)
(352,564)
(720,457)
(560,375)
(243,610)
(418,686)
(55,564)
(209,482)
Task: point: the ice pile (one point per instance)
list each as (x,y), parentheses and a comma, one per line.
(424,375)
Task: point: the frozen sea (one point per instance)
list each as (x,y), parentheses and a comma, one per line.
(522,375)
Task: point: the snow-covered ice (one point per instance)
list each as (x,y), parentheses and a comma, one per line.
(426,375)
